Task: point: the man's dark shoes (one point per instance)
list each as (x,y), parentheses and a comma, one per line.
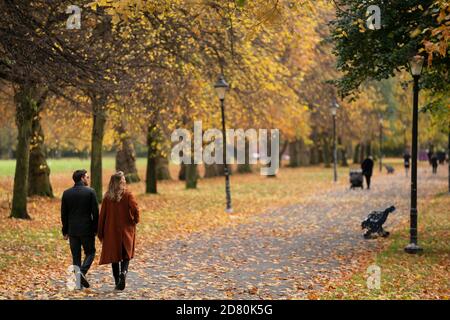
(83,281)
(121,284)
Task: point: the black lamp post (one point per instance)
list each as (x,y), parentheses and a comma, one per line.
(381,143)
(221,87)
(416,65)
(334,107)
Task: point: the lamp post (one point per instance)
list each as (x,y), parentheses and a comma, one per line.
(381,142)
(334,107)
(416,65)
(221,87)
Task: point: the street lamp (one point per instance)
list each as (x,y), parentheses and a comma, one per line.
(334,107)
(221,87)
(416,65)
(380,121)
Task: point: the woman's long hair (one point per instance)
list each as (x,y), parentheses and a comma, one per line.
(117,186)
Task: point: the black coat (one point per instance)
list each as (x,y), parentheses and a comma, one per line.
(406,159)
(434,161)
(79,211)
(367,167)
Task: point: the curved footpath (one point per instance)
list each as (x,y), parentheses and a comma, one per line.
(276,255)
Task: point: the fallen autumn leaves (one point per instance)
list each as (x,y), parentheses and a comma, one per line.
(290,237)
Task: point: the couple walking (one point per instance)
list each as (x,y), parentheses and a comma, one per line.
(115,226)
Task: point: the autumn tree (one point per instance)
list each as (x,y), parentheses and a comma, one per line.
(51,63)
(407,28)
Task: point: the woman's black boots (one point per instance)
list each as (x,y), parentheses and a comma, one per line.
(123,275)
(116,273)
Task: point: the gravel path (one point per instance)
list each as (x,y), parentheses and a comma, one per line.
(276,255)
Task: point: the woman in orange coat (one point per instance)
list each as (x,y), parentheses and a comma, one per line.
(117,228)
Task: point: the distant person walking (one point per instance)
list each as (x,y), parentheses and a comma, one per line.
(79,217)
(117,228)
(367,169)
(406,159)
(441,155)
(429,154)
(434,163)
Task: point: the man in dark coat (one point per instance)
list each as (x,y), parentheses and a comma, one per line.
(79,217)
(434,163)
(367,168)
(429,154)
(406,158)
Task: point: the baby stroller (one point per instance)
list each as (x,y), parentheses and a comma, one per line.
(374,223)
(389,169)
(356,179)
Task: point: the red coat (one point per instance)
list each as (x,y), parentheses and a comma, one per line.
(117,228)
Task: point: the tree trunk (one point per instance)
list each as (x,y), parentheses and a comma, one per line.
(361,153)
(27,101)
(294,154)
(344,161)
(282,151)
(152,156)
(356,153)
(98,130)
(368,149)
(39,171)
(191,170)
(326,153)
(125,156)
(304,154)
(342,153)
(182,172)
(151,185)
(211,170)
(314,156)
(162,168)
(245,167)
(191,176)
(269,153)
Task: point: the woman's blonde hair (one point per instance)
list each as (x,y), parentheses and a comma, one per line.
(116,186)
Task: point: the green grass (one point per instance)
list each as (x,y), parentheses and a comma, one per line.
(173,211)
(7,167)
(27,246)
(65,165)
(405,276)
(32,244)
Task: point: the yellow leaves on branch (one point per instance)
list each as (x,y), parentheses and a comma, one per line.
(438,41)
(275,42)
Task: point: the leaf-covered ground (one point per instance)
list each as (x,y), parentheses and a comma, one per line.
(403,276)
(291,237)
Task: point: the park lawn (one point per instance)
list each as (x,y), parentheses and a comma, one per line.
(66,165)
(405,276)
(29,246)
(63,165)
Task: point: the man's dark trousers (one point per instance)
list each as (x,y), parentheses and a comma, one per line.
(88,244)
(368,180)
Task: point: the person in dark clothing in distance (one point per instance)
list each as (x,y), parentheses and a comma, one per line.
(367,169)
(434,162)
(406,159)
(79,217)
(429,154)
(441,155)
